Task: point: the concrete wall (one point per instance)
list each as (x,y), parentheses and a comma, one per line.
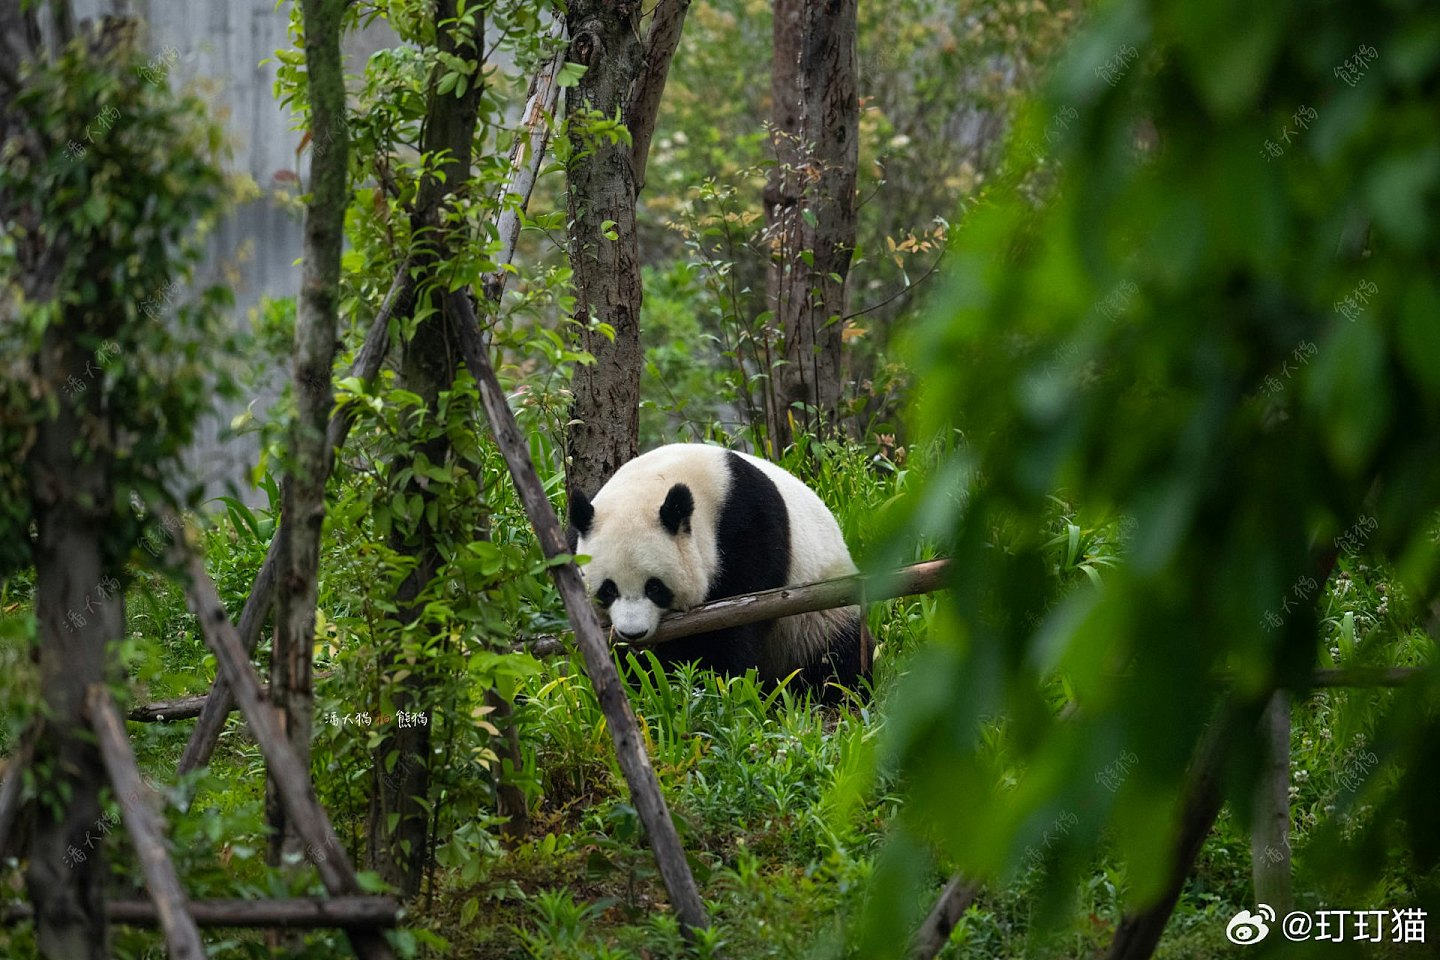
(220,44)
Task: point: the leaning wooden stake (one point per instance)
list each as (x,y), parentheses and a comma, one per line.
(291,777)
(1139,933)
(182,938)
(934,933)
(629,746)
(262,591)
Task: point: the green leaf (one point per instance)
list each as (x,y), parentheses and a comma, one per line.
(570,74)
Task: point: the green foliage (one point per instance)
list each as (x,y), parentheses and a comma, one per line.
(1239,410)
(106,202)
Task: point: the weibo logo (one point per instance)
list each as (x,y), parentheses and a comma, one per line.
(1246,927)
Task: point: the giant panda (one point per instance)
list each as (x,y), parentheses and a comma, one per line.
(688,523)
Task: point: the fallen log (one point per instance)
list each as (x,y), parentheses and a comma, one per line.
(924,577)
(300,913)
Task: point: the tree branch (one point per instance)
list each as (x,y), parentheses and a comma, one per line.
(644,107)
(527,153)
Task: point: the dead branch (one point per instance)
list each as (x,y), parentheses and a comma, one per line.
(526,155)
(147,832)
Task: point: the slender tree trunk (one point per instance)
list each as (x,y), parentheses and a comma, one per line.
(79,608)
(605,416)
(427,367)
(810,208)
(291,681)
(1270,833)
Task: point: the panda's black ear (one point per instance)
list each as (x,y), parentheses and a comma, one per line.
(582,514)
(676,510)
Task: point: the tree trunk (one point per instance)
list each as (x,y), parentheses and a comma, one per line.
(317,319)
(427,367)
(79,609)
(605,416)
(810,208)
(366,365)
(1270,832)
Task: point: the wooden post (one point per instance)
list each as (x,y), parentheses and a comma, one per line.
(144,825)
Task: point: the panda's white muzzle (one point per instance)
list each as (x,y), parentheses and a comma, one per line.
(634,619)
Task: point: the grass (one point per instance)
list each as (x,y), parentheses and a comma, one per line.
(774,797)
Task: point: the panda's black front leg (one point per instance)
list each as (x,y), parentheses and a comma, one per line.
(729,652)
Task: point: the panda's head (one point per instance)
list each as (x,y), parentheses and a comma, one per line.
(649,551)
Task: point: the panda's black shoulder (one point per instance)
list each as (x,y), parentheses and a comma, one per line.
(752,532)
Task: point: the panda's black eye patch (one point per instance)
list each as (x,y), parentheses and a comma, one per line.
(607,593)
(659,594)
